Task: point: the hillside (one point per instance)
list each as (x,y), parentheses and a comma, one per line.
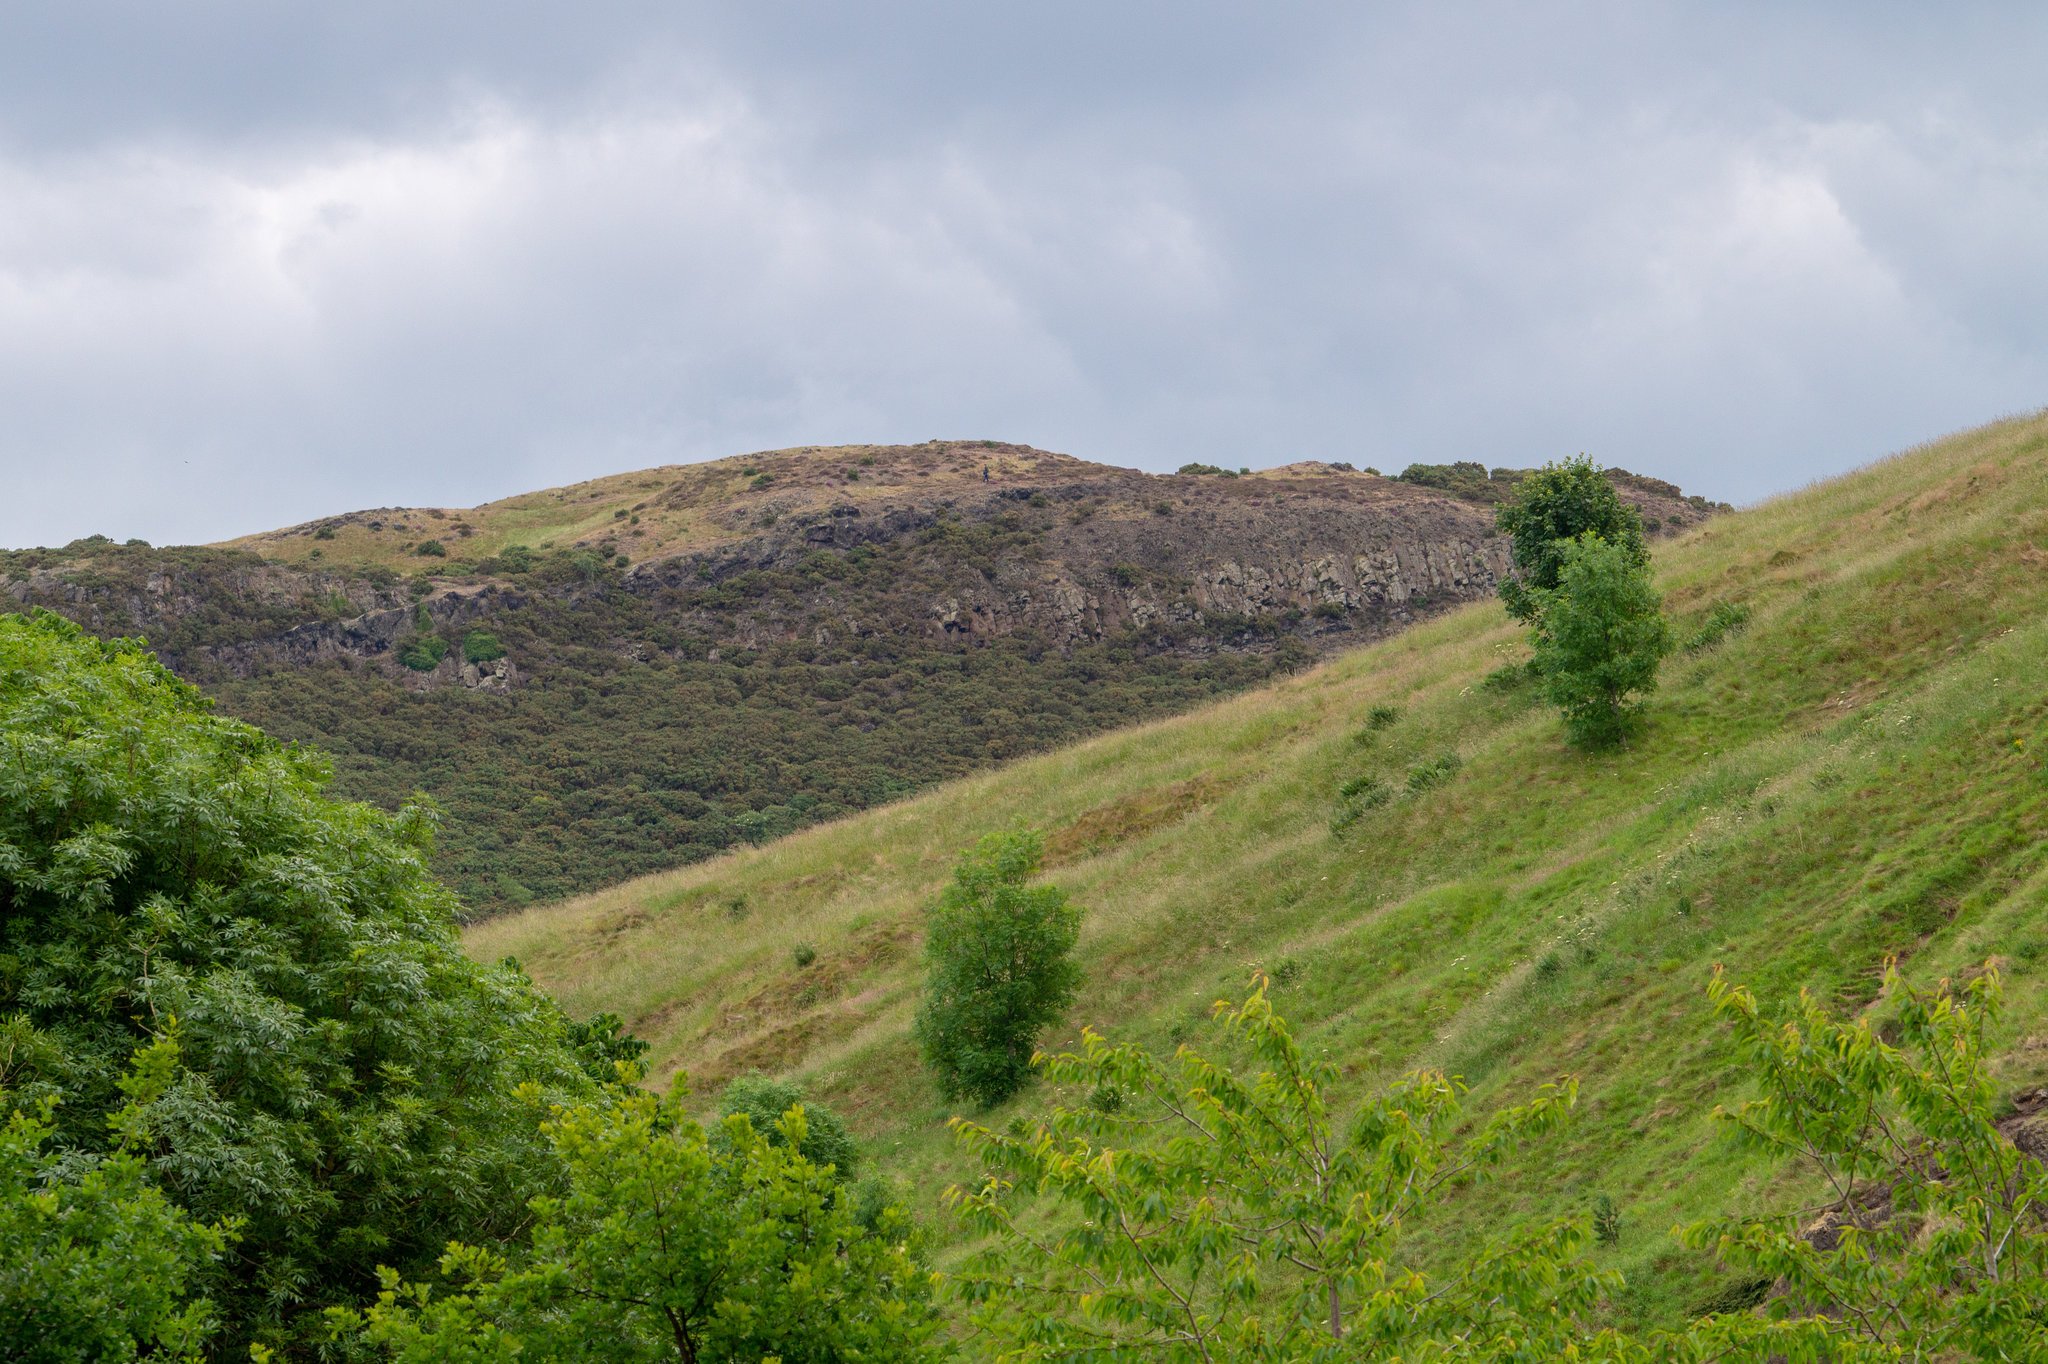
(640,671)
(1854,774)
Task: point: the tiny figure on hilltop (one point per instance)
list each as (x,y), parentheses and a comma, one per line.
(984,473)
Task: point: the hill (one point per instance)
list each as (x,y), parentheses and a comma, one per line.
(1855,774)
(643,670)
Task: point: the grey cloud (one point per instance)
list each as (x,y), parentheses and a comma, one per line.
(256,265)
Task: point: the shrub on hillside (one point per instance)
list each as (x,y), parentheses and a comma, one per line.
(998,970)
(1356,796)
(481,647)
(345,1075)
(424,654)
(1434,771)
(1599,637)
(762,1101)
(432,549)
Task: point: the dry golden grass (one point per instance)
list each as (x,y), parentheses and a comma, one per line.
(655,513)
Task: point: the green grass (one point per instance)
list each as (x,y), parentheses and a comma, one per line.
(1853,774)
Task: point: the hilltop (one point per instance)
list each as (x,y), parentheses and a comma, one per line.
(643,670)
(1854,775)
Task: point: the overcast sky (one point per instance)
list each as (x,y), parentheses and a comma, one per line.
(261,262)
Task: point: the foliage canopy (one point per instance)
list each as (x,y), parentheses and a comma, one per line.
(668,1246)
(343,1088)
(95,1263)
(1554,506)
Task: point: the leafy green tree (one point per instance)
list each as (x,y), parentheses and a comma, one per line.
(1220,1218)
(343,1092)
(998,970)
(666,1247)
(762,1101)
(1217,1219)
(1929,1241)
(95,1263)
(1552,507)
(1599,637)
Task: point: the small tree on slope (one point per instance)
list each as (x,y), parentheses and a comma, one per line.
(1600,634)
(998,970)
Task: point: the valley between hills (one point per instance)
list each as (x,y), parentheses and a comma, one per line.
(1856,775)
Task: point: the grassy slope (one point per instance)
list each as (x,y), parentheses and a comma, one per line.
(1855,774)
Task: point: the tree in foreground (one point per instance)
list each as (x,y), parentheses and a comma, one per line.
(343,1086)
(998,970)
(95,1263)
(668,1246)
(1930,1240)
(1553,507)
(1229,1221)
(1600,635)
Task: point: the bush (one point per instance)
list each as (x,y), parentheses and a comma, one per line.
(1599,638)
(1382,717)
(432,549)
(1510,677)
(1435,772)
(480,647)
(803,954)
(345,1075)
(602,1045)
(1554,507)
(762,1102)
(424,655)
(1356,797)
(997,970)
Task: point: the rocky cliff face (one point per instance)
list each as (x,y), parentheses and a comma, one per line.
(1323,557)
